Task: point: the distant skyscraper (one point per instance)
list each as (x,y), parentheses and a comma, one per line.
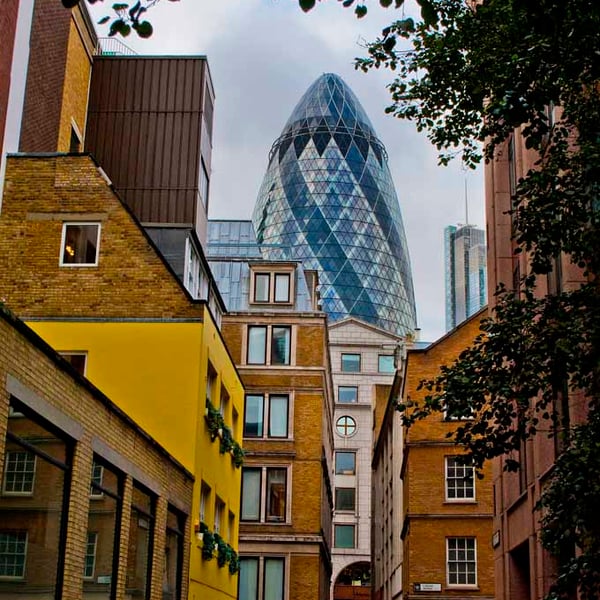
(466,280)
(328,200)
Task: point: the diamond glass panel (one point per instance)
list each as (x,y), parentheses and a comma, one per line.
(331,203)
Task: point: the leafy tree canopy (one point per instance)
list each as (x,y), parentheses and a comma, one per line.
(470,75)
(125,18)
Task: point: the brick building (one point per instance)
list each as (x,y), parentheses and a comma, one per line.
(446,519)
(86,276)
(524,570)
(90,503)
(278,340)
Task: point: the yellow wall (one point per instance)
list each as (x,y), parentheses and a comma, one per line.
(148,369)
(207,580)
(157,372)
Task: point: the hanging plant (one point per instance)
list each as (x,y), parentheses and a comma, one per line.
(237,455)
(208,542)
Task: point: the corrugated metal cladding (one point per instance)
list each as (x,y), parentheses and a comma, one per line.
(145,127)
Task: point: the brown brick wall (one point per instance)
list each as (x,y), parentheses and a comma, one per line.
(46,386)
(42,193)
(8,25)
(45,77)
(431,519)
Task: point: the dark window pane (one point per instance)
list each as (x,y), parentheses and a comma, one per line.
(282,287)
(80,244)
(253,416)
(351,363)
(248,579)
(347,394)
(276,492)
(173,567)
(344,536)
(250,494)
(280,346)
(77,361)
(345,463)
(140,535)
(386,363)
(278,416)
(261,287)
(257,345)
(31,540)
(345,499)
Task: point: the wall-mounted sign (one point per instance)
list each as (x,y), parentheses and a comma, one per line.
(428,587)
(496,539)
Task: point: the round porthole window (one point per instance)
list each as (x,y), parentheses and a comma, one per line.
(345,426)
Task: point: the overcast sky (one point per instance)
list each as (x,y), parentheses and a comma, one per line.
(263,55)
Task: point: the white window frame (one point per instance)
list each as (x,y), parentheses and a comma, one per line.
(454,584)
(30,492)
(192,270)
(24,554)
(266,416)
(205,493)
(66,224)
(220,509)
(268,344)
(93,555)
(447,464)
(263,495)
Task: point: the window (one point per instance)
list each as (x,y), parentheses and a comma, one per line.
(262,286)
(79,245)
(347,394)
(272,341)
(219,515)
(385,363)
(264,494)
(19,472)
(173,555)
(203,184)
(345,499)
(461,561)
(75,139)
(277,415)
(77,360)
(269,572)
(343,536)
(345,463)
(33,445)
(103,517)
(96,482)
(90,555)
(230,527)
(141,532)
(271,287)
(351,363)
(345,426)
(460,481)
(13,553)
(204,501)
(191,274)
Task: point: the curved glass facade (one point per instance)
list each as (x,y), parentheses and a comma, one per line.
(329,200)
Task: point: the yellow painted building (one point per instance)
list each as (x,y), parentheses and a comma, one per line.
(80,270)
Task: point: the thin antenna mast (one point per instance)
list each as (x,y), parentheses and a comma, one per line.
(466,204)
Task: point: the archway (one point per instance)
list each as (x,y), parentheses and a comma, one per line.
(353,582)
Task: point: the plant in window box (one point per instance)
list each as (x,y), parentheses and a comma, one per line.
(214,420)
(208,542)
(237,454)
(234,562)
(222,550)
(227,441)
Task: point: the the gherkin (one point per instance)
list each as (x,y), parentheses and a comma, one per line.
(329,200)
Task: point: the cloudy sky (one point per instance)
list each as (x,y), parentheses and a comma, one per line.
(263,55)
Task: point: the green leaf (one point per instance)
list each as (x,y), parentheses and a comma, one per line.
(307,5)
(104,20)
(144,29)
(386,3)
(360,11)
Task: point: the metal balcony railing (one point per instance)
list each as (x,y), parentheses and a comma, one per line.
(109,46)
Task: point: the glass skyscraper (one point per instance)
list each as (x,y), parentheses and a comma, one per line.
(328,199)
(466,280)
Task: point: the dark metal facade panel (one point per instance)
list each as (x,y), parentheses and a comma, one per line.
(145,127)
